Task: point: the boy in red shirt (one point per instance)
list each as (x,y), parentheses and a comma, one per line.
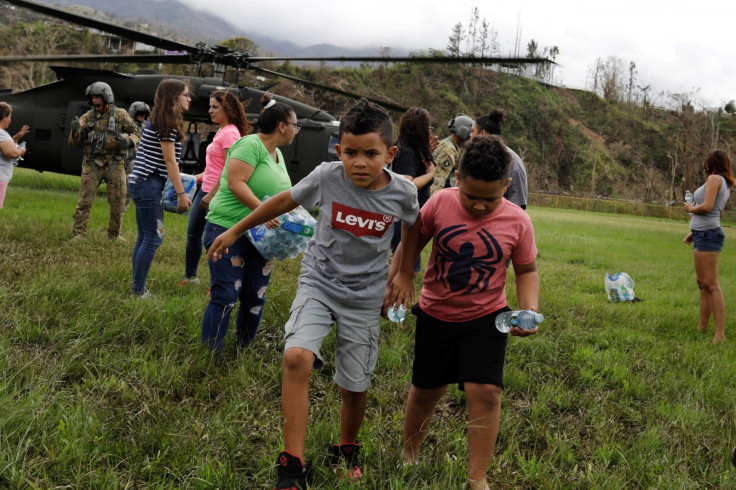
(474,233)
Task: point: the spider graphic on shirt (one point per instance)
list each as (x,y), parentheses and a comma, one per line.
(455,267)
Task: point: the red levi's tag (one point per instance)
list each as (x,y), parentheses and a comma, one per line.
(359,222)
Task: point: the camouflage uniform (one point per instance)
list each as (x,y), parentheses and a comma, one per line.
(446,156)
(130,157)
(104,159)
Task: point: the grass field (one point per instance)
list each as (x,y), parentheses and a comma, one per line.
(100,390)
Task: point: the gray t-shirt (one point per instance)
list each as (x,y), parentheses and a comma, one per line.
(518,190)
(6,164)
(712,219)
(347,259)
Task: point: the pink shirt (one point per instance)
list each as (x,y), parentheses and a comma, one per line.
(224,138)
(466,273)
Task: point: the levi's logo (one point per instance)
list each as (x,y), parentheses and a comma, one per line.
(359,222)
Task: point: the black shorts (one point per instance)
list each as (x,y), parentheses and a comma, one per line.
(448,352)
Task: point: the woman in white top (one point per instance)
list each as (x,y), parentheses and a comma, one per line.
(8,148)
(707,238)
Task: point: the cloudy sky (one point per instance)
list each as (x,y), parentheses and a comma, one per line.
(677,46)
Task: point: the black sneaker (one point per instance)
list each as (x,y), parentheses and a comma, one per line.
(292,473)
(349,454)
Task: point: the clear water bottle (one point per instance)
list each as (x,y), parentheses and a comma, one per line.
(19,146)
(689,198)
(396,315)
(524,319)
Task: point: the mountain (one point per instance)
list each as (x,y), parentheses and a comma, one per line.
(167,17)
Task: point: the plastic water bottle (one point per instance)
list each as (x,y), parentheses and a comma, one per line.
(524,319)
(396,315)
(19,146)
(689,198)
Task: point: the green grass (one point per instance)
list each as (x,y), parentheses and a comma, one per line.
(100,390)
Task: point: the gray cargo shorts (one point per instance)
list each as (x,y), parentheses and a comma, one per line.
(311,317)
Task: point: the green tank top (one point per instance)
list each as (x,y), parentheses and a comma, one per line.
(268,179)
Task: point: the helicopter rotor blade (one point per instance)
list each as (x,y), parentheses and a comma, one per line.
(411,59)
(352,95)
(106,58)
(131,34)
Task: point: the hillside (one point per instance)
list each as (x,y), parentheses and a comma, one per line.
(572,141)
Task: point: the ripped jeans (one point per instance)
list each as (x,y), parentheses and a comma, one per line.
(240,274)
(149,215)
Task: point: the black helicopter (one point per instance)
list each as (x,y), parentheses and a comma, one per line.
(49,109)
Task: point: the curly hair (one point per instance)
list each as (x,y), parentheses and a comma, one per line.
(414,132)
(233,110)
(167,115)
(485,158)
(718,163)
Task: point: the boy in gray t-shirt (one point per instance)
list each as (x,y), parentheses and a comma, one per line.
(343,279)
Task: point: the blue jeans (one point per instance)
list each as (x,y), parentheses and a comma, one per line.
(149,215)
(195,230)
(240,274)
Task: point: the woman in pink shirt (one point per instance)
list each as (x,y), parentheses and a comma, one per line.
(226,111)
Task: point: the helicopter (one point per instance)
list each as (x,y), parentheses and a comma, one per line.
(50,109)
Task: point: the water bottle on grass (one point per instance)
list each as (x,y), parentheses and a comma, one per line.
(524,319)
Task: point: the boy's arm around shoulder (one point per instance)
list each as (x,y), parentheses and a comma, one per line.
(400,284)
(527,292)
(272,208)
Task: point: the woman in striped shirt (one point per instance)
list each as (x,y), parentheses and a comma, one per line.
(157,158)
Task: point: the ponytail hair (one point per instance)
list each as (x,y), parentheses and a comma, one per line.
(272,114)
(491,123)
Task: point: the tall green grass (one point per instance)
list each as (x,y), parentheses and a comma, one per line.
(101,390)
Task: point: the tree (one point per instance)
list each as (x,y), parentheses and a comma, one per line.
(472,32)
(484,38)
(730,107)
(632,78)
(609,78)
(456,37)
(242,44)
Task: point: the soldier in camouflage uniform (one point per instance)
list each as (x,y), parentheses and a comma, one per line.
(105,133)
(139,111)
(447,154)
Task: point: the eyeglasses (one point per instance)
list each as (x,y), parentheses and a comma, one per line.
(187,95)
(297,127)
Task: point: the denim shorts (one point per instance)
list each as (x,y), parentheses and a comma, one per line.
(708,240)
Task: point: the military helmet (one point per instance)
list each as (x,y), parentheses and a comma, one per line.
(461,126)
(139,107)
(102,89)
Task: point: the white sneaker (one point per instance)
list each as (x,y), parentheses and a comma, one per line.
(194,281)
(146,295)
